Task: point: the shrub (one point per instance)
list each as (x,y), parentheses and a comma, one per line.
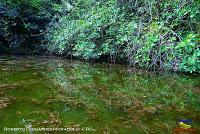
(149,34)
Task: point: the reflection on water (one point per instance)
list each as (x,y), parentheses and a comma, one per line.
(44,92)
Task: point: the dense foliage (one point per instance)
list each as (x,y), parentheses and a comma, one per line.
(23,23)
(150,34)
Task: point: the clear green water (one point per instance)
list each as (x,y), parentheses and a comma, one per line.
(102,98)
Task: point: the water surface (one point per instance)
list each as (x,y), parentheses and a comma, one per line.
(38,92)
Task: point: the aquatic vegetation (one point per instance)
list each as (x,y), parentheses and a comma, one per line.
(101,97)
(8,86)
(72,102)
(4,102)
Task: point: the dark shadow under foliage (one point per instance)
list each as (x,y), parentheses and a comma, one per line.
(23,24)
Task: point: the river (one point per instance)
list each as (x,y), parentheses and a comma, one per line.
(81,97)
